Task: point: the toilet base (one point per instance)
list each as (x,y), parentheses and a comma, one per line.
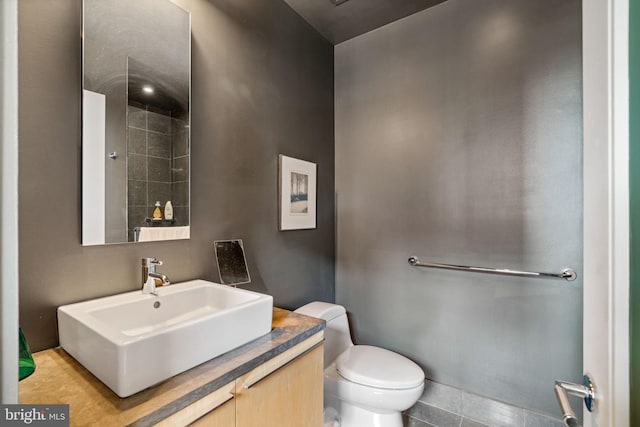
(355,416)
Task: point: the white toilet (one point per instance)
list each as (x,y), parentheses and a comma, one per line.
(364,386)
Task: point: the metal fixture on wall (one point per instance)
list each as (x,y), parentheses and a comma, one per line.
(585,390)
(567,274)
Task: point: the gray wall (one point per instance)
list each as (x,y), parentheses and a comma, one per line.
(458,140)
(262,85)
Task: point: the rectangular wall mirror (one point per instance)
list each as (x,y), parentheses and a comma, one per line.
(136,81)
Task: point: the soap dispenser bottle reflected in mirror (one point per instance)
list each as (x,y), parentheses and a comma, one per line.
(157,213)
(168,210)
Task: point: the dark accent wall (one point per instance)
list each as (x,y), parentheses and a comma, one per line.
(262,84)
(634,172)
(459,140)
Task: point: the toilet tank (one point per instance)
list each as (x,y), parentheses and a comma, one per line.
(337,335)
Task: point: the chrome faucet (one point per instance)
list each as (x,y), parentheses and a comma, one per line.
(149,275)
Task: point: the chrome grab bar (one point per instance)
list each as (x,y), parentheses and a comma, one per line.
(567,274)
(585,390)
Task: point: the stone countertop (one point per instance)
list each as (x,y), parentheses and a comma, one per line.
(60,379)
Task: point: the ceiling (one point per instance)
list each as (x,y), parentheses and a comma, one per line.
(351,18)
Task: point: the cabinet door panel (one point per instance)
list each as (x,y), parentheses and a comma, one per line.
(289,397)
(203,408)
(222,416)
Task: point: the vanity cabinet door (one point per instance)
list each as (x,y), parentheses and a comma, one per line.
(216,409)
(283,393)
(222,416)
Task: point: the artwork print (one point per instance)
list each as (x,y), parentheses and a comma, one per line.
(299,193)
(296,193)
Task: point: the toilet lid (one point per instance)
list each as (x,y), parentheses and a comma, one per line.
(377,367)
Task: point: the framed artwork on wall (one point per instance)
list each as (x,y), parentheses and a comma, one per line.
(297,193)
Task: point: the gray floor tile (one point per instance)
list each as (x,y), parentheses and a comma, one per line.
(432,415)
(466,422)
(445,406)
(491,412)
(442,396)
(407,421)
(532,419)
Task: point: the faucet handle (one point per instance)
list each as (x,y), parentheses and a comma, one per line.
(146,262)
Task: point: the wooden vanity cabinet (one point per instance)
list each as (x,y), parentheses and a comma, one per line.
(223,416)
(290,396)
(285,391)
(216,409)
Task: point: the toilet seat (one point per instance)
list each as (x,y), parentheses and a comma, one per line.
(375,399)
(380,368)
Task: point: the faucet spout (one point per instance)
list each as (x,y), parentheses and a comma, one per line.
(165,279)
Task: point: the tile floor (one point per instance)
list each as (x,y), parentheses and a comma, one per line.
(445,406)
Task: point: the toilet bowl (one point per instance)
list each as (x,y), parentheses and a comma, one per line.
(367,386)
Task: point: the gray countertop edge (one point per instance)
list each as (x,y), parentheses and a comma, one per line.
(200,392)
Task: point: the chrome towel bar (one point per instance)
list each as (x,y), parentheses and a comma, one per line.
(567,274)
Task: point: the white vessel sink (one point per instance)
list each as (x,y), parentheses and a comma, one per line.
(132,341)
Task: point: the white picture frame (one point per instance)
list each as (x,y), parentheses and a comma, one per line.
(297,181)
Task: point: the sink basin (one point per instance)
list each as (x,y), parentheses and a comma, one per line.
(132,341)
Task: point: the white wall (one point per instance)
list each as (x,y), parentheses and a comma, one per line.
(9,197)
(606,213)
(93,167)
